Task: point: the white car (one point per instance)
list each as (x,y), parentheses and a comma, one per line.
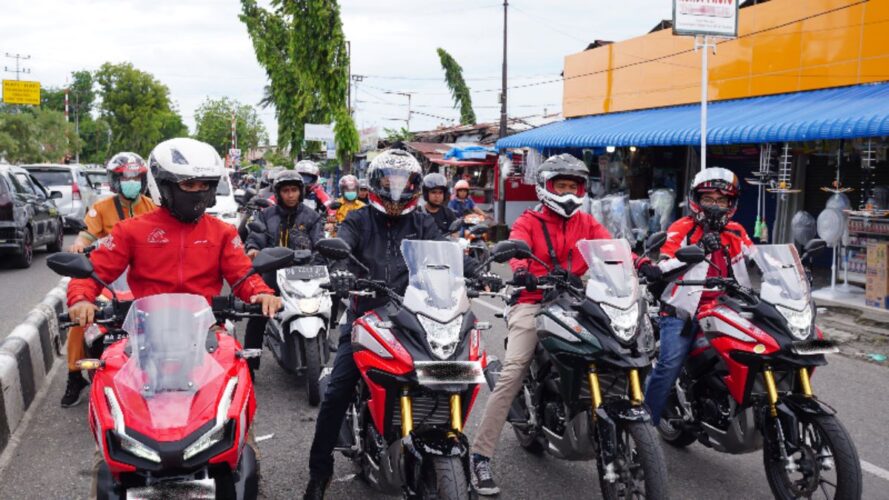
(226,208)
(70,180)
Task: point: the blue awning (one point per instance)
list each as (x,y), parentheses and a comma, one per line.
(837,113)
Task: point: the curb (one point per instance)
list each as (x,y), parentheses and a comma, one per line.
(26,357)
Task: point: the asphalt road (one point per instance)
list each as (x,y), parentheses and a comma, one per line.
(53,457)
(22,289)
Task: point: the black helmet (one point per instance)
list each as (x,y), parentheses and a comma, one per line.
(435,181)
(289,178)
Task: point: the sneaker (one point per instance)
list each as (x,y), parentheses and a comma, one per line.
(316,488)
(481,476)
(74,390)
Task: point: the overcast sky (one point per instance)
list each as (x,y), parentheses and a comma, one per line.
(199,48)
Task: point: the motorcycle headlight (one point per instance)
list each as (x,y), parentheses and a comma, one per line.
(310,305)
(443,337)
(800,322)
(624,322)
(129,444)
(217,432)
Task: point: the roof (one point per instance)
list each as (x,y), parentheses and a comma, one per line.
(837,113)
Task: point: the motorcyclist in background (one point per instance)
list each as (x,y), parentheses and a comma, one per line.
(435,194)
(374,234)
(348,197)
(290,224)
(462,204)
(362,190)
(127,173)
(713,200)
(551,233)
(316,197)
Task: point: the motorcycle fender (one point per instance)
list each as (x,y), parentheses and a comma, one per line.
(307,326)
(626,411)
(392,466)
(801,405)
(413,449)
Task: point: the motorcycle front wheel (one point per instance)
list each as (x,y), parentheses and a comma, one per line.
(826,466)
(313,370)
(444,478)
(640,467)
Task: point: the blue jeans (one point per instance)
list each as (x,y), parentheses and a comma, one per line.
(674,349)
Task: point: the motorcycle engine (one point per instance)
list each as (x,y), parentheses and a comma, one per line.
(715,408)
(554,417)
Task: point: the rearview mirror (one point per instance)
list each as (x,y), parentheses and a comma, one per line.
(523,251)
(73,265)
(334,205)
(504,251)
(655,241)
(55,195)
(240,197)
(812,248)
(271,259)
(691,254)
(260,202)
(455,226)
(256,227)
(333,248)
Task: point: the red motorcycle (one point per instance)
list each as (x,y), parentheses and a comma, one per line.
(171,404)
(746,384)
(421,365)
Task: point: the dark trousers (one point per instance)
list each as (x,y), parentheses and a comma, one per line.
(336,401)
(253,338)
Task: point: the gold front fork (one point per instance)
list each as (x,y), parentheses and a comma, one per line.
(456,413)
(595,391)
(804,382)
(772,389)
(635,387)
(407,414)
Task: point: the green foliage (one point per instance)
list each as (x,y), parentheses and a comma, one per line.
(36,136)
(301,45)
(395,135)
(459,89)
(96,136)
(213,125)
(275,158)
(81,96)
(137,107)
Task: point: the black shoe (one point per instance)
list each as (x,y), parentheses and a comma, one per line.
(316,488)
(481,476)
(74,390)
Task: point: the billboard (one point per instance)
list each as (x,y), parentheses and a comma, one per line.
(705,17)
(318,132)
(21,92)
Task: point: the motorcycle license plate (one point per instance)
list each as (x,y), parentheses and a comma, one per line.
(449,372)
(204,488)
(814,347)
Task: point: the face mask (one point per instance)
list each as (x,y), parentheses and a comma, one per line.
(350,195)
(188,206)
(131,189)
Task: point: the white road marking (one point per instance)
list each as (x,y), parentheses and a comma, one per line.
(496,309)
(873,469)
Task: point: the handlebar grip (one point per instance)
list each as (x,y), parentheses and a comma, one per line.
(64,318)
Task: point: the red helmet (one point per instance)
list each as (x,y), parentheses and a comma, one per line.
(461,184)
(126,166)
(714,180)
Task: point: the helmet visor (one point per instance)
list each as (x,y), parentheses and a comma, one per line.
(396,184)
(309,179)
(561,184)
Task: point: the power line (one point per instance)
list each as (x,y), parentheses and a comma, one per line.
(18,68)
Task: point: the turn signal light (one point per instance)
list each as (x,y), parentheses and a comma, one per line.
(89,364)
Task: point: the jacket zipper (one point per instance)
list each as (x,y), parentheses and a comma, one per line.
(181,253)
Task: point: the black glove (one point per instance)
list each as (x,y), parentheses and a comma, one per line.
(565,275)
(341,282)
(651,272)
(491,281)
(710,242)
(522,278)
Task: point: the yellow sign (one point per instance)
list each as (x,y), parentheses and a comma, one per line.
(20,92)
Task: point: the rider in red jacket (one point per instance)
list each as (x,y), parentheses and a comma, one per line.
(176,249)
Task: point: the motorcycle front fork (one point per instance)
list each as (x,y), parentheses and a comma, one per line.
(635,392)
(407,413)
(771,387)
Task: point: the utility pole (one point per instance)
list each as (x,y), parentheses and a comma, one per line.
(408,95)
(501,183)
(18,68)
(349,78)
(357,79)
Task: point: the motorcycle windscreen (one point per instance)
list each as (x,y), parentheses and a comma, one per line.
(784,279)
(168,364)
(435,285)
(612,277)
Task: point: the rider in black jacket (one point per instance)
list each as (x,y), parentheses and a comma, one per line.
(289,224)
(435,194)
(374,234)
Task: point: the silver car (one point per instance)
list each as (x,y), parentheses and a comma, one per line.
(70,180)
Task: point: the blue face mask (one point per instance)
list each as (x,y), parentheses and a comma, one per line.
(350,195)
(131,189)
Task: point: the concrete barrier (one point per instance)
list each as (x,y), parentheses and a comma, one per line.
(26,357)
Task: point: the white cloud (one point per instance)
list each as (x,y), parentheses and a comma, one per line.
(200,48)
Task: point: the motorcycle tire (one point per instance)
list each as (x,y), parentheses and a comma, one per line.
(845,461)
(313,371)
(528,442)
(444,478)
(106,487)
(650,461)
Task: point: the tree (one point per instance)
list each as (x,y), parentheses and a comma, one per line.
(275,158)
(137,107)
(80,96)
(36,136)
(96,136)
(301,45)
(459,90)
(213,124)
(398,135)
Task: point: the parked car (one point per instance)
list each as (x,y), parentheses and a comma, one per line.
(29,217)
(98,179)
(71,181)
(226,207)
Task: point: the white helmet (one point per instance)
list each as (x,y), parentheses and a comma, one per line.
(561,167)
(395,181)
(183,159)
(308,170)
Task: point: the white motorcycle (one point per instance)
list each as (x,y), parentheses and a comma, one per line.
(298,335)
